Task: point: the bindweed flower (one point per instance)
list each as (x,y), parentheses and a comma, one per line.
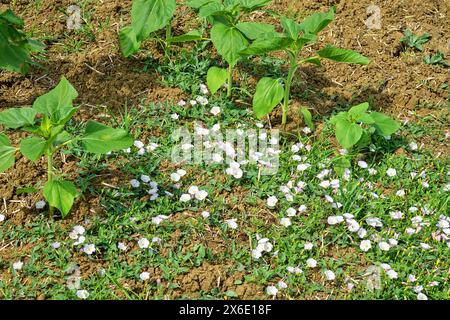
(332,220)
(82,294)
(144,276)
(391,172)
(89,249)
(362,232)
(271,290)
(421,296)
(203,89)
(272,201)
(56,245)
(138,144)
(185,197)
(201,195)
(365,245)
(40,204)
(352,225)
(392,274)
(2,217)
(329,275)
(205,214)
(80,240)
(79,229)
(425,246)
(282,285)
(256,254)
(285,222)
(175,177)
(303,166)
(362,164)
(215,111)
(291,212)
(143,243)
(231,223)
(311,263)
(193,190)
(17,265)
(152,146)
(135,183)
(413,146)
(235,170)
(121,246)
(383,245)
(374,222)
(396,215)
(308,246)
(159,218)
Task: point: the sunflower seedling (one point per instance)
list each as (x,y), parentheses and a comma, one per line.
(148,16)
(45,121)
(229,34)
(270,92)
(15,47)
(355,127)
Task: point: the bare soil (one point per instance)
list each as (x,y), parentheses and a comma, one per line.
(396,82)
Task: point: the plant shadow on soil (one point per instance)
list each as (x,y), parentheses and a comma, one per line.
(108,80)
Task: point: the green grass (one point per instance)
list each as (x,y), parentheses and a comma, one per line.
(190,244)
(126,217)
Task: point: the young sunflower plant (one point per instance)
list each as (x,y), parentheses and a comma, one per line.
(230,35)
(269,91)
(45,122)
